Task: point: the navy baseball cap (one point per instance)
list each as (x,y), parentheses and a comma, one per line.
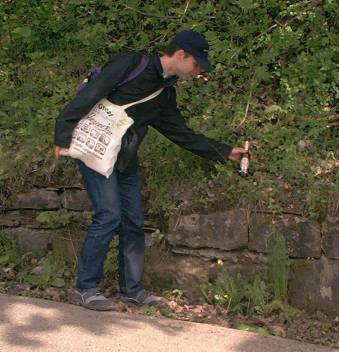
(196,45)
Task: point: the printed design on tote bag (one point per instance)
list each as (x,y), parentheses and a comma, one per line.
(96,140)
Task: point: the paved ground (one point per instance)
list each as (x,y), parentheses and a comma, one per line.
(28,324)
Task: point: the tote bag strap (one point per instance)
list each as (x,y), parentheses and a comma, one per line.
(153,95)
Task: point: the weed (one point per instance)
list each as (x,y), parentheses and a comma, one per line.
(251,328)
(167,312)
(149,310)
(10,255)
(176,294)
(257,295)
(53,268)
(262,295)
(158,235)
(51,275)
(111,262)
(226,291)
(278,265)
(54,219)
(59,254)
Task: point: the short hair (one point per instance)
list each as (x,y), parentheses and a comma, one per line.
(171,48)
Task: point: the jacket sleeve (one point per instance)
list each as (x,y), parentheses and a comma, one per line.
(112,73)
(173,126)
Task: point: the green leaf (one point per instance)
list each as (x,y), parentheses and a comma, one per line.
(33,280)
(23,32)
(246,4)
(58,282)
(261,74)
(251,328)
(4,259)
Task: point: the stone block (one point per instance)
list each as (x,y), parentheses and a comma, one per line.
(38,199)
(330,237)
(31,240)
(165,270)
(9,220)
(303,236)
(74,199)
(40,241)
(246,263)
(185,271)
(223,230)
(314,285)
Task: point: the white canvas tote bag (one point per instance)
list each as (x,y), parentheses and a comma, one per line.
(96,140)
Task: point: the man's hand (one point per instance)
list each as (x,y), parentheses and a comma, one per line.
(236,153)
(57,151)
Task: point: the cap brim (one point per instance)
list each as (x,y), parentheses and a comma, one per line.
(204,64)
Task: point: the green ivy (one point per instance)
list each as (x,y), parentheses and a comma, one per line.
(273,83)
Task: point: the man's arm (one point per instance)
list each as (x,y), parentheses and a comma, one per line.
(172,125)
(112,73)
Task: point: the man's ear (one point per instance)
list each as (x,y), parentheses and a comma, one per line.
(180,54)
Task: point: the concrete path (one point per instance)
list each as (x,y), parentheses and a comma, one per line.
(28,324)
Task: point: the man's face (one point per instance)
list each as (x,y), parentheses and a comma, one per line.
(186,66)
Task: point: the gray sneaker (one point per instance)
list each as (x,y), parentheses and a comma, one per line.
(93,300)
(145,298)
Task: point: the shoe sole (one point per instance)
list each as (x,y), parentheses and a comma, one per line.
(137,303)
(100,309)
(130,300)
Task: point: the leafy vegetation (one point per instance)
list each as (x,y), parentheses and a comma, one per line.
(50,270)
(53,219)
(9,254)
(263,294)
(111,262)
(237,295)
(51,275)
(278,264)
(274,84)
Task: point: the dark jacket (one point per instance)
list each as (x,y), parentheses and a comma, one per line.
(161,112)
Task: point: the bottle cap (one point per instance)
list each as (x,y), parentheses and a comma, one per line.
(247,145)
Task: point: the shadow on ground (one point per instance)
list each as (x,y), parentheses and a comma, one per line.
(27,324)
(49,317)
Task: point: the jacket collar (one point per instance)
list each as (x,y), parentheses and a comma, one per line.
(166,80)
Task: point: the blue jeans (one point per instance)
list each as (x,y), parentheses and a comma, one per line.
(118,209)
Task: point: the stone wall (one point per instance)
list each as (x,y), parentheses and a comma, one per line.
(22,217)
(242,239)
(194,243)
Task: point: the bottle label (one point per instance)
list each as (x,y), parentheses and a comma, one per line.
(244,164)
